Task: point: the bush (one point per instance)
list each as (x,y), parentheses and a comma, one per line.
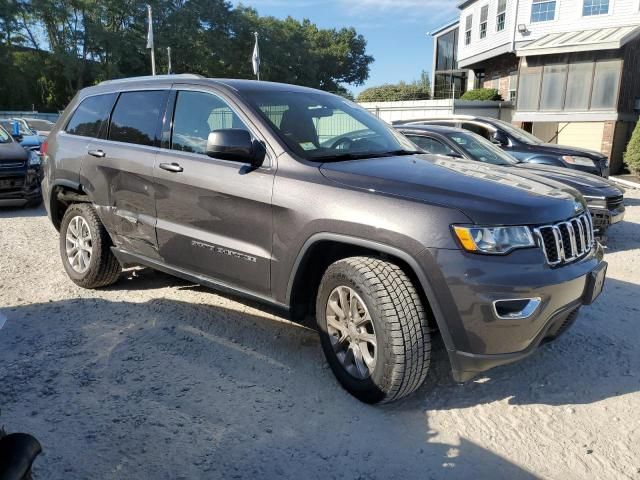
(632,155)
(395,93)
(482,94)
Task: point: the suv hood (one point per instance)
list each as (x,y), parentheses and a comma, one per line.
(486,194)
(12,151)
(585,183)
(566,150)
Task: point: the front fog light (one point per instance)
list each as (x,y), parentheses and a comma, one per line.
(497,240)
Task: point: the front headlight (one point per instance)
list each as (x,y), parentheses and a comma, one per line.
(581,161)
(595,202)
(495,240)
(34,159)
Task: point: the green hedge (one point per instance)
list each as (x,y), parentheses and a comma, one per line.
(395,93)
(632,155)
(482,94)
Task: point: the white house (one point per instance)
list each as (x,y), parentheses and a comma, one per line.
(570,66)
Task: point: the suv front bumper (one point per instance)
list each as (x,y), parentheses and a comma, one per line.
(467,285)
(19,187)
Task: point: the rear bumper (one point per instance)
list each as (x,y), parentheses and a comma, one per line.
(467,285)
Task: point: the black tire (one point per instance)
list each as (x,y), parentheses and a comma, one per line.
(104,268)
(403,347)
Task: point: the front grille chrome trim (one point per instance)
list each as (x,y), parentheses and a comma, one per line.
(574,244)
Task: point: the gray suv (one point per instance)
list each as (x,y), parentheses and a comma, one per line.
(302,200)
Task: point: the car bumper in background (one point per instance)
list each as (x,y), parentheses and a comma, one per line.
(19,187)
(469,284)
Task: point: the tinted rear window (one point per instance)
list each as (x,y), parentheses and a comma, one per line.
(136,116)
(89,117)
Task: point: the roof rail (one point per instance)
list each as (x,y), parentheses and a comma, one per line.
(179,76)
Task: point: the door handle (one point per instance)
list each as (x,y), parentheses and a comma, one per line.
(171,167)
(97,153)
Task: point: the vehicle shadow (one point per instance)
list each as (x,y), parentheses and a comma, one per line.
(13,212)
(594,360)
(631,201)
(221,392)
(623,236)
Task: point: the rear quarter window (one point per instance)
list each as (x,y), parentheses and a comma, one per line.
(91,115)
(136,117)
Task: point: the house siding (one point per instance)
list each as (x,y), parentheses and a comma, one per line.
(569,17)
(493,39)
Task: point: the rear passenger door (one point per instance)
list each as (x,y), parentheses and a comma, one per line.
(118,170)
(214,215)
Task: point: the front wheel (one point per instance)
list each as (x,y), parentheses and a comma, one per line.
(85,248)
(373,329)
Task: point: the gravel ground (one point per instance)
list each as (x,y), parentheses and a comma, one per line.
(158,378)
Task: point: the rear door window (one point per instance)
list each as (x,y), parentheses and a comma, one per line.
(91,116)
(136,117)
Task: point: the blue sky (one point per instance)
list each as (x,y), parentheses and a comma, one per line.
(396,30)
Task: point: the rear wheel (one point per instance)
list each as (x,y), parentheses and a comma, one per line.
(85,248)
(373,329)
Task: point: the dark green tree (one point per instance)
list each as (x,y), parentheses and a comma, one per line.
(81,42)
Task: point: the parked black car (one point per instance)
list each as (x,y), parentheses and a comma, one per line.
(260,189)
(523,145)
(604,199)
(19,173)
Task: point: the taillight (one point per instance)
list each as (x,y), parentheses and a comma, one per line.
(44,147)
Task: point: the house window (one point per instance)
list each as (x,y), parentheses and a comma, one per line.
(606,81)
(467,30)
(579,86)
(484,14)
(595,7)
(553,80)
(529,92)
(502,12)
(543,10)
(513,86)
(479,80)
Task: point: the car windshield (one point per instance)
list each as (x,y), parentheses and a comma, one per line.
(480,149)
(4,136)
(322,127)
(518,133)
(8,125)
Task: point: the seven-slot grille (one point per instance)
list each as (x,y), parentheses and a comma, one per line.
(564,242)
(614,202)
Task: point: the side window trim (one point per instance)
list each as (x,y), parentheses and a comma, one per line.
(253,130)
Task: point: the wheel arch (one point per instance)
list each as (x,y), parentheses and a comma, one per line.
(322,249)
(62,194)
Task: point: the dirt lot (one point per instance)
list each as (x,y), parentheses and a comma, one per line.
(158,378)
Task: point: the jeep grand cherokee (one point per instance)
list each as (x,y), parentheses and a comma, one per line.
(261,189)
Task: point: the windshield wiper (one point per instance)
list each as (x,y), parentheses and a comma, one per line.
(363,155)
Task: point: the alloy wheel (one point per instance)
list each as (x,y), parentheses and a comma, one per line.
(79,244)
(351,332)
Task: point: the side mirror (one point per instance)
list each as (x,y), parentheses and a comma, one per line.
(499,138)
(235,144)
